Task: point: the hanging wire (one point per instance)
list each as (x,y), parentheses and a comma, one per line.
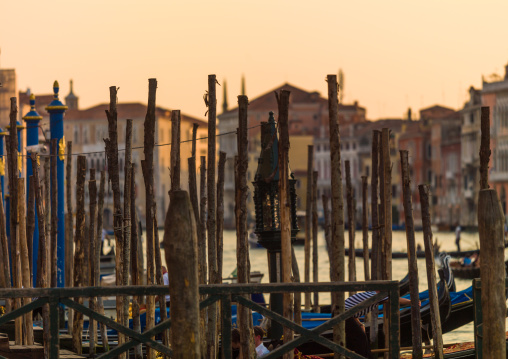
(133,148)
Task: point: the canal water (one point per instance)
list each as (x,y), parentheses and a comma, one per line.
(258,260)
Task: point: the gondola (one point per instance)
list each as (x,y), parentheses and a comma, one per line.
(467,272)
(396,255)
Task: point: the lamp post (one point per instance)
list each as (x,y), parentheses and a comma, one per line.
(266,201)
(32,119)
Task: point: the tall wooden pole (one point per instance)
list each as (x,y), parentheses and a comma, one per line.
(69,226)
(242,245)
(5,266)
(54,212)
(136,265)
(180,239)
(30,226)
(435,316)
(387,167)
(147,166)
(47,219)
(220,213)
(202,267)
(375,250)
(127,198)
(211,222)
(351,224)
(492,271)
(79,255)
(12,152)
(339,335)
(25,259)
(365,229)
(327,229)
(100,214)
(315,269)
(114,176)
(285,208)
(92,195)
(175,150)
(416,329)
(308,221)
(42,272)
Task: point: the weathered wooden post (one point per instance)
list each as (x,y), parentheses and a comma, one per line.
(127,198)
(12,152)
(242,245)
(69,226)
(492,270)
(54,212)
(220,213)
(375,250)
(79,253)
(92,259)
(285,208)
(5,267)
(328,239)
(308,221)
(416,329)
(30,226)
(25,266)
(339,335)
(42,272)
(147,167)
(100,214)
(114,176)
(351,224)
(211,221)
(202,263)
(315,269)
(175,150)
(365,229)
(435,318)
(180,239)
(47,211)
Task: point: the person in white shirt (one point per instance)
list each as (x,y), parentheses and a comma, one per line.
(165,278)
(259,333)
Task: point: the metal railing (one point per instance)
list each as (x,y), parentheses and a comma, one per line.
(226,294)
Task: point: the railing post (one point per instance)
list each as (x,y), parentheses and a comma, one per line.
(226,327)
(54,345)
(394,322)
(478,318)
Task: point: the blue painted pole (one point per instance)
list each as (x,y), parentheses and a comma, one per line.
(56,110)
(32,120)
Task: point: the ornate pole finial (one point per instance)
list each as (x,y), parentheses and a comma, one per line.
(56,89)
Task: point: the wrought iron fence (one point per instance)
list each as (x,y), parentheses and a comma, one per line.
(223,293)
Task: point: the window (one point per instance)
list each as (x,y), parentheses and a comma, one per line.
(76,134)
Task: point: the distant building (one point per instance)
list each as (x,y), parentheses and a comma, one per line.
(8,89)
(308,118)
(470,158)
(495,95)
(87,128)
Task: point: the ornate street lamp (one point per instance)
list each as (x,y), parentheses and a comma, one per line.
(266,201)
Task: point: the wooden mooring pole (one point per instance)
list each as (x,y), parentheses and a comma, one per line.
(92,202)
(42,272)
(435,316)
(315,266)
(375,256)
(242,244)
(136,274)
(365,229)
(351,224)
(147,167)
(284,208)
(308,222)
(416,329)
(79,255)
(211,223)
(54,212)
(180,241)
(202,263)
(492,269)
(337,229)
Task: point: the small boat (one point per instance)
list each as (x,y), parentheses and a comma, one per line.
(396,255)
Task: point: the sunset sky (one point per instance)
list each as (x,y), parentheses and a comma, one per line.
(394,54)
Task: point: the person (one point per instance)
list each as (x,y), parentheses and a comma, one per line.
(105,236)
(165,278)
(356,338)
(259,333)
(457,237)
(235,343)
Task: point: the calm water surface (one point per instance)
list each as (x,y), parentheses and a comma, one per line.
(258,260)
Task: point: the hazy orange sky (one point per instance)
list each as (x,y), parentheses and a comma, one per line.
(394,54)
